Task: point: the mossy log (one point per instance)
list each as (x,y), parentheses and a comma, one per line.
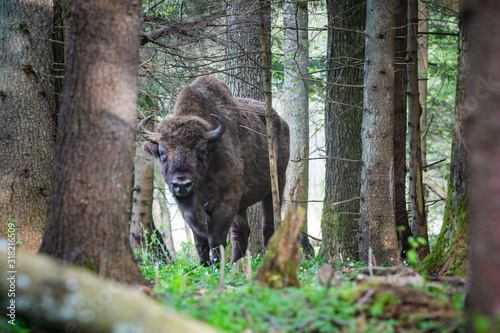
(60,298)
(280,264)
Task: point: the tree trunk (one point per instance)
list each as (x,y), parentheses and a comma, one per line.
(161,213)
(28,117)
(265,34)
(423,65)
(296,95)
(61,15)
(244,49)
(87,218)
(400,98)
(483,141)
(245,79)
(450,252)
(418,218)
(377,221)
(343,116)
(143,233)
(281,262)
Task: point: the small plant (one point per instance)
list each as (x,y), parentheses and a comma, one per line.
(411,255)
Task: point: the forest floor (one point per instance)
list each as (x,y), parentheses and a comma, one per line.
(338,297)
(344,297)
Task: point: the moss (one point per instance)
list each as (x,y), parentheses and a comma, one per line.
(338,236)
(88,264)
(449,254)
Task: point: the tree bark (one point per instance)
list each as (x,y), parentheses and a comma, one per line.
(80,302)
(28,117)
(281,262)
(343,116)
(143,232)
(418,218)
(161,213)
(377,221)
(423,65)
(88,211)
(483,141)
(265,33)
(296,112)
(61,15)
(400,98)
(245,79)
(244,49)
(450,252)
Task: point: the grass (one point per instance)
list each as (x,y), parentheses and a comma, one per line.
(244,306)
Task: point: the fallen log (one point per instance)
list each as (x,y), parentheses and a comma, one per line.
(59,298)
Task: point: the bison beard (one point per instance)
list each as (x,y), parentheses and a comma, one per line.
(216,174)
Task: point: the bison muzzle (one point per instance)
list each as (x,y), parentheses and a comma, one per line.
(213,154)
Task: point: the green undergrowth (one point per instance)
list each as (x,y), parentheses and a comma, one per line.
(240,305)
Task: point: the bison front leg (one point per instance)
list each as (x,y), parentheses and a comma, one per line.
(203,250)
(218,229)
(215,242)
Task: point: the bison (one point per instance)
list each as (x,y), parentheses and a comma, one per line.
(213,154)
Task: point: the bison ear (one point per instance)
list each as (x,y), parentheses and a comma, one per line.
(151,148)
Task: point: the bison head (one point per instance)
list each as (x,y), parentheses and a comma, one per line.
(183,145)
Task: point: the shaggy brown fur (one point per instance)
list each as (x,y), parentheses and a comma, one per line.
(228,174)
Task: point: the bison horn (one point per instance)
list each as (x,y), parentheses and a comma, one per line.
(148,135)
(216,133)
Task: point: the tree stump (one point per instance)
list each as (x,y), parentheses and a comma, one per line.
(280,264)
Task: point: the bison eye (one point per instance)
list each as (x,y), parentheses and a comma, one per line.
(163,157)
(202,156)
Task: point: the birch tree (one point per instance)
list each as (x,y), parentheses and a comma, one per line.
(296,112)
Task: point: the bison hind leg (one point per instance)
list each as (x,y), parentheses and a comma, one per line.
(240,231)
(267,219)
(267,205)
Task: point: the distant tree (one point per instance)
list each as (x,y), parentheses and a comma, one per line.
(243,49)
(61,15)
(245,79)
(161,212)
(418,215)
(400,120)
(28,116)
(143,233)
(271,205)
(423,65)
(87,219)
(377,221)
(483,142)
(343,116)
(450,251)
(296,112)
